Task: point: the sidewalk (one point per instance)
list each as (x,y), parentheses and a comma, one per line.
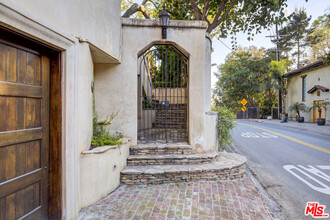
(225,199)
(306,126)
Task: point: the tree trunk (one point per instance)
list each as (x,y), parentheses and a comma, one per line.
(298,63)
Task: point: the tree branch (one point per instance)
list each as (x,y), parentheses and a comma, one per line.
(143,10)
(208,21)
(196,10)
(135,8)
(206,8)
(145,2)
(220,10)
(215,23)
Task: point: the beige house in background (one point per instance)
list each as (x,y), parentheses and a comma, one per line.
(53,55)
(309,84)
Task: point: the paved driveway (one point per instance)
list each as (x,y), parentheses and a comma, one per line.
(228,199)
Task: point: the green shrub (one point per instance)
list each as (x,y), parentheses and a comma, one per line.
(225,124)
(147,103)
(105,139)
(265,112)
(101,136)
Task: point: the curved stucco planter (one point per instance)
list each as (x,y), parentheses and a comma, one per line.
(100,171)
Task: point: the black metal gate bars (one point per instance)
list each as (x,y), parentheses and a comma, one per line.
(162,95)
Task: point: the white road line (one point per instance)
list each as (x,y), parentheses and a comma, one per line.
(258,135)
(306,178)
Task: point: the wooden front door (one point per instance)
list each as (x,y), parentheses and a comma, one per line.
(316,111)
(24,129)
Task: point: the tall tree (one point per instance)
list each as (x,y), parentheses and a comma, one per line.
(250,74)
(222,16)
(319,37)
(294,33)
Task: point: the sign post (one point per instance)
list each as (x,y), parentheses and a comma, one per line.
(243,108)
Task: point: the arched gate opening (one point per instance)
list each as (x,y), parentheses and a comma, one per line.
(163,95)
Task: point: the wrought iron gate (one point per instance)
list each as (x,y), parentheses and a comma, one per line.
(162,95)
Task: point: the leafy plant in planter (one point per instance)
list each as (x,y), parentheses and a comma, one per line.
(320,106)
(298,107)
(101,136)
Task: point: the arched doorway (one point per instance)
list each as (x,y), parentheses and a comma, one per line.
(163,95)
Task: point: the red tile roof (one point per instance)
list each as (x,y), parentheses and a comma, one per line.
(323,89)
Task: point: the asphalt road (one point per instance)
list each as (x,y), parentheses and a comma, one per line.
(293,166)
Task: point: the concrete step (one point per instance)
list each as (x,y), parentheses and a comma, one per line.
(227,166)
(171,111)
(170,121)
(155,159)
(174,115)
(179,148)
(163,126)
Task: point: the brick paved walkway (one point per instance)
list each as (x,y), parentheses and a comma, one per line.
(225,199)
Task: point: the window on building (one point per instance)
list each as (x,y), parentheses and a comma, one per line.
(303,88)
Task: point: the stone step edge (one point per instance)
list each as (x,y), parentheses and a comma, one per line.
(172,156)
(226,162)
(170,159)
(160,150)
(155,146)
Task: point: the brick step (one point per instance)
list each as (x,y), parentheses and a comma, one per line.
(163,111)
(182,126)
(169,117)
(175,105)
(178,115)
(161,149)
(227,166)
(169,121)
(173,122)
(155,159)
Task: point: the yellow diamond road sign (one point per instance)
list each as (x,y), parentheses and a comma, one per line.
(243,108)
(243,101)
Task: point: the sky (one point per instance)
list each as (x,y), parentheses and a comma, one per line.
(315,8)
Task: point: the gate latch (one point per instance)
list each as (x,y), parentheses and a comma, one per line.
(166,103)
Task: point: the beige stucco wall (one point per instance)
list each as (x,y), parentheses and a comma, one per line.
(97,23)
(85,97)
(100,175)
(121,80)
(211,133)
(319,76)
(207,73)
(59,24)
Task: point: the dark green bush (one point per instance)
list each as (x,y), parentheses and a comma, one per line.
(225,124)
(147,103)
